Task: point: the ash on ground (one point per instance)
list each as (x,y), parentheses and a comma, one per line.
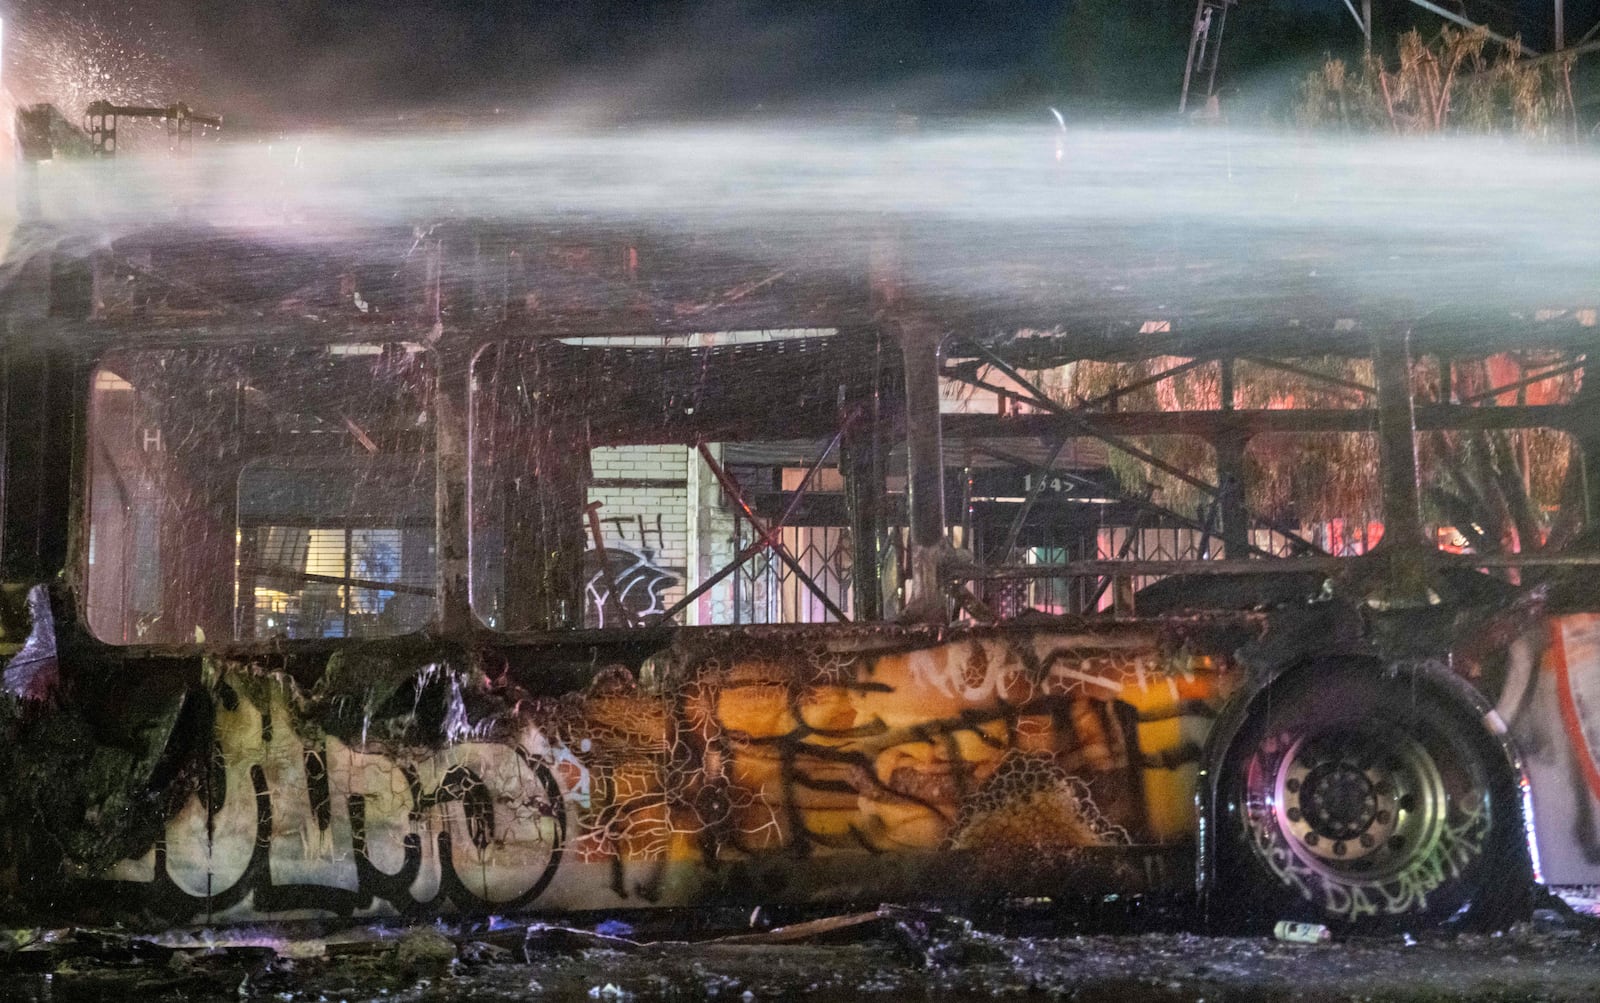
(889,953)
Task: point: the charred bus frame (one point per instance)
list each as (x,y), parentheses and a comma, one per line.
(1091,748)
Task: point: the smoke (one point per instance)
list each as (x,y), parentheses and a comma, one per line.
(312,62)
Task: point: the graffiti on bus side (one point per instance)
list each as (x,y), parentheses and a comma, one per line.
(1018,749)
(331,827)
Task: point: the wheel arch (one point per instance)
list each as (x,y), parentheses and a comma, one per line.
(1438,678)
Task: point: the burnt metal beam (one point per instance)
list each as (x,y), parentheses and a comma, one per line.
(866,507)
(1362,22)
(178,111)
(1526,381)
(279,571)
(766,536)
(1072,418)
(1032,497)
(1205,47)
(1208,424)
(1311,374)
(1398,570)
(1140,503)
(1282,565)
(817,305)
(1465,22)
(1148,381)
(1122,555)
(1141,568)
(103,116)
(1588,437)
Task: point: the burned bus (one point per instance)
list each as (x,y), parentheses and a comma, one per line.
(492,567)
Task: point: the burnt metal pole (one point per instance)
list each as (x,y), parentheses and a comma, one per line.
(1230,447)
(1404,549)
(1397,441)
(919,346)
(1585,429)
(450,491)
(862,467)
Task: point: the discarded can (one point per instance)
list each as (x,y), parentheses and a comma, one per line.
(1302,933)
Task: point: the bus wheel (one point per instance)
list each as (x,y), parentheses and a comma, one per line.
(1368,801)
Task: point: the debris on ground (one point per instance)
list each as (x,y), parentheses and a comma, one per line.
(424,947)
(891,952)
(811,930)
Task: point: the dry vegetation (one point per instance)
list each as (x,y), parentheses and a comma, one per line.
(1503,491)
(1458,81)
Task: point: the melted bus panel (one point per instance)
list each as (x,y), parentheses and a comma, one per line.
(739,767)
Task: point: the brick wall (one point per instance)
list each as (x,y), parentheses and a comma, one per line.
(644,504)
(681,506)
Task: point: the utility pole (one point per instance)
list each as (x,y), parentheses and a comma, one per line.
(1205,48)
(1561,25)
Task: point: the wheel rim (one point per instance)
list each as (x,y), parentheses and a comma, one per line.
(1354,804)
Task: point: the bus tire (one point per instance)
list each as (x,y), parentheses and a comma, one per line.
(1368,801)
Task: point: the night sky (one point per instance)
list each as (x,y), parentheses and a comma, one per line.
(325,60)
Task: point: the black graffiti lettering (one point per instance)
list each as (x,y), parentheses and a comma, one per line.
(317,787)
(392,888)
(216,782)
(499,841)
